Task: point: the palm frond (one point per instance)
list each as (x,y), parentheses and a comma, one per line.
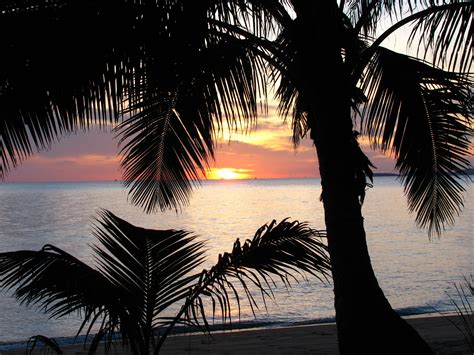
(366,15)
(58,283)
(47,342)
(176,81)
(141,273)
(441,20)
(163,154)
(169,142)
(423,115)
(152,268)
(60,76)
(263,18)
(284,250)
(447,35)
(287,93)
(53,279)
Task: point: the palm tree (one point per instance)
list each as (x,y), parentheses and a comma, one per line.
(142,272)
(171,73)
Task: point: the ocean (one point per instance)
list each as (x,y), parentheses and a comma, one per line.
(416,274)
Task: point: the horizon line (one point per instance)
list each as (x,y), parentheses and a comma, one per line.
(381,174)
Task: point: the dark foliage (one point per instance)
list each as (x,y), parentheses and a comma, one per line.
(171,74)
(143,272)
(421,113)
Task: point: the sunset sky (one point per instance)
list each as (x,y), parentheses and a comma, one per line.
(267,152)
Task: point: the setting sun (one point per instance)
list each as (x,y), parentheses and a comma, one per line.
(228,173)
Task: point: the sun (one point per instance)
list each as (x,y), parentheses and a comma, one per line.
(228,174)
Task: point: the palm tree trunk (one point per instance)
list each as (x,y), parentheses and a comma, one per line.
(366,322)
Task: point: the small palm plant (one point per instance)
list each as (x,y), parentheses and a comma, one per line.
(142,272)
(464,309)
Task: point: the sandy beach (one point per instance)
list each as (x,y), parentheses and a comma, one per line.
(441,334)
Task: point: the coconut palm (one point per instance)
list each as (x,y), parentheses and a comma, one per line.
(141,273)
(172,73)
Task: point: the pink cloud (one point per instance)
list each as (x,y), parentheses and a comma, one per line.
(81,157)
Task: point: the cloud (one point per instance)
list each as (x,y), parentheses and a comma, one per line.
(86,160)
(266,162)
(266,152)
(75,158)
(269,131)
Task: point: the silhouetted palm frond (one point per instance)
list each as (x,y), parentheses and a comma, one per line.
(168,143)
(59,283)
(142,272)
(48,343)
(422,114)
(54,280)
(284,78)
(73,77)
(366,15)
(284,250)
(58,75)
(447,35)
(263,18)
(151,269)
(164,153)
(146,261)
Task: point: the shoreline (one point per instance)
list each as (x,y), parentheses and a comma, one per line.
(238,326)
(437,330)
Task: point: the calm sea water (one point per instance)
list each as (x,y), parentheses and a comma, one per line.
(415,273)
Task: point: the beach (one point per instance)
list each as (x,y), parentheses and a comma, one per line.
(439,331)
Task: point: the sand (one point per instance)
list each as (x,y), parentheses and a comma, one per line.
(440,333)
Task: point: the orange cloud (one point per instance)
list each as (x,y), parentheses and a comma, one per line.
(265,152)
(263,162)
(269,131)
